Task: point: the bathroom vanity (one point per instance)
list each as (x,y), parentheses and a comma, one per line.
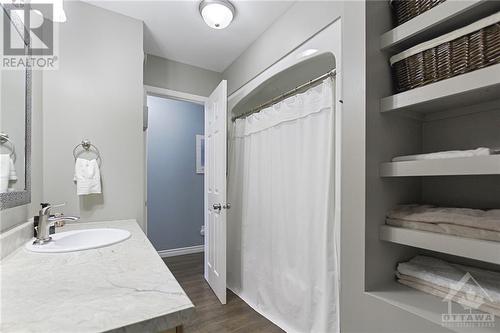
(125,287)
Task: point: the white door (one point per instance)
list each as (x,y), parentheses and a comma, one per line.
(215,190)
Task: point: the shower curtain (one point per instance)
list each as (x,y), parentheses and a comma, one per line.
(282,233)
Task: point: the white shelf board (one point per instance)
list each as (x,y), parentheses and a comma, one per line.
(423,305)
(463,166)
(447,16)
(467,89)
(483,250)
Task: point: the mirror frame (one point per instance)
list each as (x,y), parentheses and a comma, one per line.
(19,198)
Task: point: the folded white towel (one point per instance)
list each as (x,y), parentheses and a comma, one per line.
(473,218)
(7,172)
(445,154)
(87,177)
(450,275)
(458,296)
(447,228)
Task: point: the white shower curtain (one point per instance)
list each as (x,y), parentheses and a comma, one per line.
(282,243)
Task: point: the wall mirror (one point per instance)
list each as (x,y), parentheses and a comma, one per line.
(15,127)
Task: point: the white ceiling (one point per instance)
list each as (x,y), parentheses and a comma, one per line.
(175,29)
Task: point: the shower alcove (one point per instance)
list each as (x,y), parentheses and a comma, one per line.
(316,57)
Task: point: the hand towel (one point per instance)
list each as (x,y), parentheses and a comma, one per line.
(445,154)
(7,172)
(87,177)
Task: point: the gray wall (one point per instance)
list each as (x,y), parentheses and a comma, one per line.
(475,130)
(359,311)
(386,136)
(298,24)
(175,190)
(169,74)
(97,93)
(17,215)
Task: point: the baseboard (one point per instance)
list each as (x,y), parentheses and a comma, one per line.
(181,251)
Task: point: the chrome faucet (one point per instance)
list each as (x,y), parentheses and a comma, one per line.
(45,222)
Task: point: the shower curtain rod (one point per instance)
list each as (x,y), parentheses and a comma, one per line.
(292,92)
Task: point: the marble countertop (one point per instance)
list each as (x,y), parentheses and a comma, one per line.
(125,287)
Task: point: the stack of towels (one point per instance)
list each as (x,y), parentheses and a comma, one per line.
(469,286)
(7,173)
(462,222)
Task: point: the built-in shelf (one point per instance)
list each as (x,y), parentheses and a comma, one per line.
(445,17)
(487,251)
(467,89)
(463,166)
(423,305)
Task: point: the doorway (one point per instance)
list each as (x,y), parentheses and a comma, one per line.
(175,178)
(214,163)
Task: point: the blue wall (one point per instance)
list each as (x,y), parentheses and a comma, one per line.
(175,190)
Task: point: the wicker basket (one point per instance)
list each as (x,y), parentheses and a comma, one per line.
(405,10)
(461,51)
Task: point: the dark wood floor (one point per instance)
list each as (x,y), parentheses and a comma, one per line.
(210,316)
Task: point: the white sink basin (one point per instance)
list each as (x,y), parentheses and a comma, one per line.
(79,240)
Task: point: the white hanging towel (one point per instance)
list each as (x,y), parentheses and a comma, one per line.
(7,172)
(87,177)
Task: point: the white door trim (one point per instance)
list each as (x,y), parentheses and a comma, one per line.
(181,251)
(162,92)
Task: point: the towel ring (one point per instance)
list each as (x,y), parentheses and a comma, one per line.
(87,145)
(4,138)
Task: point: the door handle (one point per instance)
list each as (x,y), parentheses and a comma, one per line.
(219,206)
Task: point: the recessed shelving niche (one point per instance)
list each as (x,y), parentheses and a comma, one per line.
(459,113)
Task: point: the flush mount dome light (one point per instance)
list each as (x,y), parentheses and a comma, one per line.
(217,14)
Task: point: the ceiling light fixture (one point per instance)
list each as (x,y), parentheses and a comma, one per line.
(217,14)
